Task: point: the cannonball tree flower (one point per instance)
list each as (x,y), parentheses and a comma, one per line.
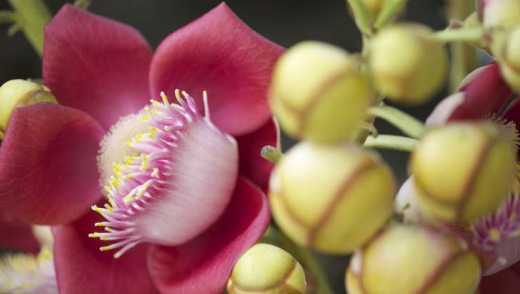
(483,96)
(196,200)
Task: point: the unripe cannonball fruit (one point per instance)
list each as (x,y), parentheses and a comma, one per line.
(16,93)
(318,92)
(414,259)
(267,269)
(407,65)
(462,171)
(500,13)
(331,197)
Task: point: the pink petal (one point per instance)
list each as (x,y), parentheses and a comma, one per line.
(48,172)
(17,236)
(510,250)
(203,265)
(96,64)
(82,268)
(252,165)
(443,111)
(220,54)
(485,94)
(504,282)
(406,202)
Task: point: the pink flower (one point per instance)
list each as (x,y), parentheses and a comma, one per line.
(101,70)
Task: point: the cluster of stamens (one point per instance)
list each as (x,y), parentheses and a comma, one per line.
(25,273)
(137,180)
(493,229)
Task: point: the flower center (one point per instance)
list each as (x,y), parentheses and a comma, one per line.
(25,273)
(112,152)
(172,182)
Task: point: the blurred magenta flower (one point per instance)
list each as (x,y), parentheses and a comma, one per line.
(101,70)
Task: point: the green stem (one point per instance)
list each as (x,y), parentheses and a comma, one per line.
(361,16)
(463,61)
(304,256)
(32,15)
(393,142)
(463,56)
(460,35)
(387,13)
(401,120)
(83,4)
(7,16)
(270,153)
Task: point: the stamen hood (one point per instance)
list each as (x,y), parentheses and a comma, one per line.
(178,185)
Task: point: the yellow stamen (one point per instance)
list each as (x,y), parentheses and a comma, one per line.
(145,164)
(130,159)
(104,248)
(178,95)
(128,199)
(112,203)
(494,234)
(164,98)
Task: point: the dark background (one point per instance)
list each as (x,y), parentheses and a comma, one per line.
(282,21)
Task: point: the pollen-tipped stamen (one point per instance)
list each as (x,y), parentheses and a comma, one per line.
(152,196)
(25,273)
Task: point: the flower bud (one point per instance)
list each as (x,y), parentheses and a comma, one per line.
(500,13)
(413,259)
(462,171)
(506,48)
(266,269)
(318,92)
(417,76)
(331,198)
(16,93)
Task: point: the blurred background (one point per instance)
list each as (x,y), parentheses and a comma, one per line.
(285,22)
